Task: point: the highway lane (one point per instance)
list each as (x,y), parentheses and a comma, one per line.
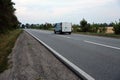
(97,56)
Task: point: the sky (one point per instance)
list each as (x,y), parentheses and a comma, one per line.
(55,11)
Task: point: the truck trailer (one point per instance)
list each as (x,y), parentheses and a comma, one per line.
(63,27)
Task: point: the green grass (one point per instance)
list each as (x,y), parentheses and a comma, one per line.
(100,34)
(7,42)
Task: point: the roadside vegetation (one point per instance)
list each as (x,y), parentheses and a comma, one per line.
(97,29)
(46,26)
(7,41)
(117,27)
(9,31)
(8,20)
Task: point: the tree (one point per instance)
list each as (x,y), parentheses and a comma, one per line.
(27,25)
(102,29)
(85,27)
(94,28)
(111,24)
(8,20)
(75,28)
(116,27)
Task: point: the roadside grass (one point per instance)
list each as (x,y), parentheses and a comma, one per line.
(7,42)
(112,35)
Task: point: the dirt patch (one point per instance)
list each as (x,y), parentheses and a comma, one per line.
(32,61)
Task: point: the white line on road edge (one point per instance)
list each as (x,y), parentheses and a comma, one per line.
(102,45)
(72,66)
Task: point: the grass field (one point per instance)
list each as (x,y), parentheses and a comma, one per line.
(7,42)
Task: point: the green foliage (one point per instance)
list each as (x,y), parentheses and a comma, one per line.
(94,28)
(8,20)
(76,28)
(116,27)
(83,23)
(7,41)
(102,29)
(46,26)
(111,24)
(85,27)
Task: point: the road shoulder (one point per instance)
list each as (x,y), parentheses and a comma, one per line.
(32,61)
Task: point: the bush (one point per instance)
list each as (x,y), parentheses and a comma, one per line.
(94,28)
(75,28)
(85,27)
(116,27)
(102,29)
(7,41)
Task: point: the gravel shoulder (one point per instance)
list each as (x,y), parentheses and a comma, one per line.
(30,60)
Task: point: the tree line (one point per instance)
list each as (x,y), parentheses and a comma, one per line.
(46,26)
(8,20)
(99,28)
(84,26)
(94,28)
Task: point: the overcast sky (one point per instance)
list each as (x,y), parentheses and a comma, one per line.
(54,11)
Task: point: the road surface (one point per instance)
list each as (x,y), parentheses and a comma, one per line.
(97,56)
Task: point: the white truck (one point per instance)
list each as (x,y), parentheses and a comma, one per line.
(63,27)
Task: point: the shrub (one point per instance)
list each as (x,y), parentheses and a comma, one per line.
(85,27)
(94,28)
(116,27)
(102,29)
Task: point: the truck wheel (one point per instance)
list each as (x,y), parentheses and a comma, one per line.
(55,32)
(69,32)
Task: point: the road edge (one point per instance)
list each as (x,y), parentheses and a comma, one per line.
(69,64)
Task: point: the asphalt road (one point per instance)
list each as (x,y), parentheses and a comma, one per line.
(97,56)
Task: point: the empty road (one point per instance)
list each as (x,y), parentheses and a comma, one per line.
(97,56)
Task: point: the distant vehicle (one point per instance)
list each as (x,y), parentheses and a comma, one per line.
(63,27)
